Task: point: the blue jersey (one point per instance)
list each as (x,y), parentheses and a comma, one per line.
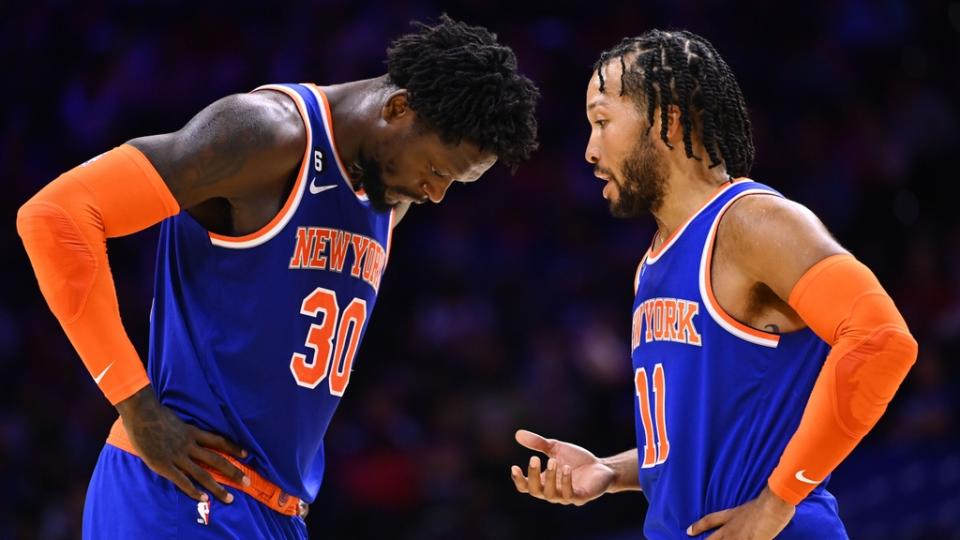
(254,337)
(716,401)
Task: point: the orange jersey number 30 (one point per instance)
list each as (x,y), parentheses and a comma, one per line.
(322,303)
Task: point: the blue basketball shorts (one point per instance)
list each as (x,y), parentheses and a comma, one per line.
(125,500)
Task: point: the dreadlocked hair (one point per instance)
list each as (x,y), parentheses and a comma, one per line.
(683,69)
(465,86)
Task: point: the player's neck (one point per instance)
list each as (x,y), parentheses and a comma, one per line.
(354,108)
(685,194)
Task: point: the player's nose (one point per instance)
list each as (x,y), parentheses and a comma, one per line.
(592,153)
(436,190)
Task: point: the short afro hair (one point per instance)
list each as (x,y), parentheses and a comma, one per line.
(464,85)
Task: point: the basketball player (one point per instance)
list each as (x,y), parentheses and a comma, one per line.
(762,351)
(276,211)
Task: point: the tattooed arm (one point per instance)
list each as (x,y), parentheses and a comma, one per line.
(239,155)
(242,149)
(237,148)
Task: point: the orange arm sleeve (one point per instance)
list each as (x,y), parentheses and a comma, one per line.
(872,351)
(64,229)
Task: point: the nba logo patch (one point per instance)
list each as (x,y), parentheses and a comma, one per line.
(203,508)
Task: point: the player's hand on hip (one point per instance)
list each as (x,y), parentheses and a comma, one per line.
(573,474)
(175,450)
(760,519)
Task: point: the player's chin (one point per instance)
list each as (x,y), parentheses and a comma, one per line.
(614,211)
(622,211)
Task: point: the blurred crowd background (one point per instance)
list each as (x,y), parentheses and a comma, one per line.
(508,305)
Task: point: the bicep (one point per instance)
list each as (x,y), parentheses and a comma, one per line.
(227,147)
(777,240)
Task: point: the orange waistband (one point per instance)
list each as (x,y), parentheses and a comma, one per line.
(260,488)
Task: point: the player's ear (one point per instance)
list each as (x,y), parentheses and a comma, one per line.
(674,129)
(397,106)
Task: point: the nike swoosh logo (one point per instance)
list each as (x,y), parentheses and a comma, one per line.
(314,189)
(99,377)
(800,476)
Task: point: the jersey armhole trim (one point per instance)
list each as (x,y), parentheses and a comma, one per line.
(327,116)
(289,208)
(390,227)
(636,275)
(653,255)
(717,313)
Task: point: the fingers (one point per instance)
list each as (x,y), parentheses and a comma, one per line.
(519,482)
(710,521)
(181,481)
(566,483)
(550,480)
(221,464)
(542,485)
(207,481)
(212,440)
(533,441)
(533,478)
(555,485)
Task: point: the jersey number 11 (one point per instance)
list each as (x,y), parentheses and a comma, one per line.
(653,454)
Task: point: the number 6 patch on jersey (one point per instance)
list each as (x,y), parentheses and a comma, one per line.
(653,454)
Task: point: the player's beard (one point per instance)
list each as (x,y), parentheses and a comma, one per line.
(644,182)
(371,179)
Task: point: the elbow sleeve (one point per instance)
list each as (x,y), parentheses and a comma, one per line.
(64,229)
(872,352)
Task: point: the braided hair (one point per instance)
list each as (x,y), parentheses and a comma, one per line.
(464,85)
(683,69)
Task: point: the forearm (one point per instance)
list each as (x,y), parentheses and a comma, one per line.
(142,400)
(872,351)
(625,465)
(64,229)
